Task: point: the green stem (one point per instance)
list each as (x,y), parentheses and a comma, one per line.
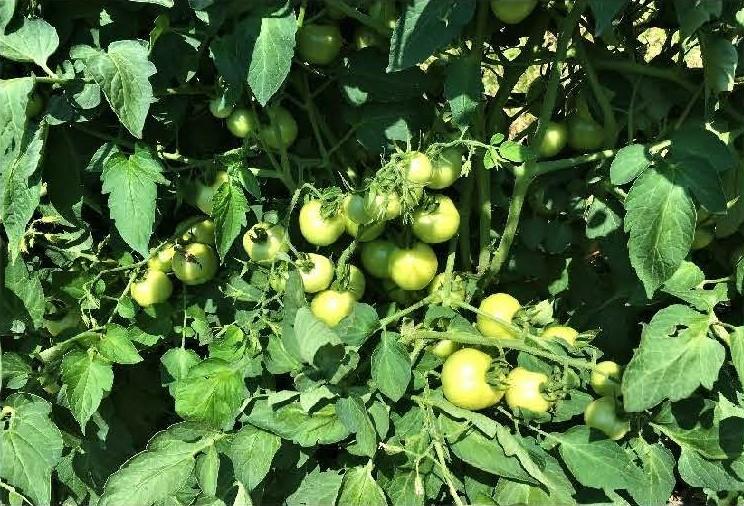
(359,16)
(490,342)
(404,312)
(629,67)
(522,181)
(608,115)
(551,94)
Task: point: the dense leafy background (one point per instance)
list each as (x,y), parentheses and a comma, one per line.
(230,393)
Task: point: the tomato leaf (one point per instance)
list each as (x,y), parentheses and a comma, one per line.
(359,487)
(657,464)
(463,88)
(251,452)
(317,487)
(669,366)
(628,163)
(35,41)
(660,217)
(596,461)
(131,183)
(230,209)
(353,414)
(30,446)
(424,27)
(720,60)
(123,73)
(391,366)
(87,376)
(211,392)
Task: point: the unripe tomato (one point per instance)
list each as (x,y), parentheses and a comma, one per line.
(195,264)
(606,377)
(524,392)
(34,106)
(585,134)
(556,137)
(702,238)
(568,334)
(447,168)
(317,229)
(365,233)
(357,209)
(456,289)
(199,231)
(316,272)
(281,132)
(365,37)
(331,306)
(242,122)
(438,224)
(413,268)
(499,305)
(319,44)
(376,258)
(153,288)
(263,242)
(162,260)
(464,381)
(418,168)
(204,194)
(444,348)
(600,414)
(385,206)
(398,295)
(219,108)
(512,12)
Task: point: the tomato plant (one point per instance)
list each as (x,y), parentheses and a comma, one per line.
(374,252)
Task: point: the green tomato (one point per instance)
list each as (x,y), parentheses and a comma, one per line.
(199,230)
(202,195)
(413,268)
(263,242)
(365,233)
(585,134)
(34,106)
(357,209)
(242,122)
(316,272)
(162,260)
(220,109)
(331,306)
(319,44)
(385,206)
(568,334)
(524,391)
(495,309)
(447,168)
(376,257)
(601,414)
(281,132)
(456,289)
(195,264)
(444,348)
(702,239)
(556,137)
(153,288)
(438,224)
(606,378)
(317,229)
(512,12)
(418,169)
(357,283)
(464,380)
(365,37)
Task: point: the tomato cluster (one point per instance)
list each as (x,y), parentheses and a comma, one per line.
(190,256)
